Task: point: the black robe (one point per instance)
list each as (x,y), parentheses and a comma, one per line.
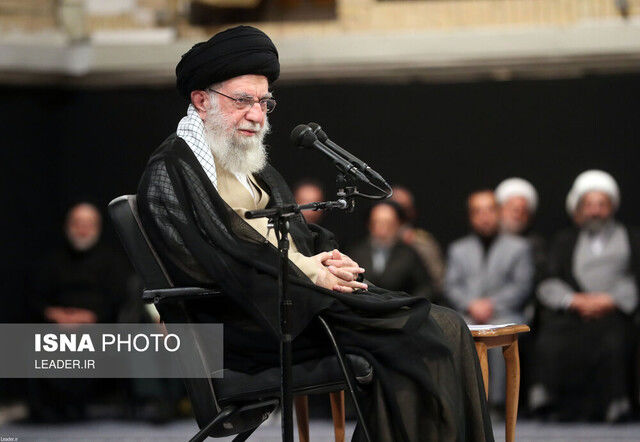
(404,270)
(93,279)
(427,381)
(585,365)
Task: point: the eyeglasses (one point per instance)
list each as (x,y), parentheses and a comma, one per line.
(245,103)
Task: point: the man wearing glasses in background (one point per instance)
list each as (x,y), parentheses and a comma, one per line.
(192,199)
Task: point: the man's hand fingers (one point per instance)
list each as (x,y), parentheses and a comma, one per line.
(341,265)
(342,273)
(354,285)
(347,276)
(343,289)
(347,261)
(355,264)
(354,270)
(334,262)
(322,257)
(338,255)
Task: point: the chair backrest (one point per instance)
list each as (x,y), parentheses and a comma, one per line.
(124,214)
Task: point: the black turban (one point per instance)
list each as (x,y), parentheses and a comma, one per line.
(237,51)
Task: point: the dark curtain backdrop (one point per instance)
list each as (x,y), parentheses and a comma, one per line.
(63,145)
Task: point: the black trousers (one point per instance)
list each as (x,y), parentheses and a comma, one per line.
(584,365)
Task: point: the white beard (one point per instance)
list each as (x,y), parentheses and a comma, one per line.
(234,152)
(513,227)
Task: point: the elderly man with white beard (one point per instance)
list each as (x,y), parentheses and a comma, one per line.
(518,201)
(192,200)
(583,347)
(82,282)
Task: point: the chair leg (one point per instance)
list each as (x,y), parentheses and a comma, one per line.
(302,416)
(338,413)
(481,349)
(512,361)
(348,377)
(244,436)
(204,433)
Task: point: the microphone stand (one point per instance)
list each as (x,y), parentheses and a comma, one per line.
(347,190)
(278,219)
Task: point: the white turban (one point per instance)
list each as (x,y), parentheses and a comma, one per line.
(517,187)
(590,181)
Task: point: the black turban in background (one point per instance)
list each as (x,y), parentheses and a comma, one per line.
(237,51)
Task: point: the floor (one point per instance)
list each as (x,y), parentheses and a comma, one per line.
(102,431)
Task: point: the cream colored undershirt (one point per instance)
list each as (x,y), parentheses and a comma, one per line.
(240,199)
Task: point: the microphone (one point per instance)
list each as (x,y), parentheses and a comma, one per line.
(361,165)
(303,137)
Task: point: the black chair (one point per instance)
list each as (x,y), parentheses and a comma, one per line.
(238,402)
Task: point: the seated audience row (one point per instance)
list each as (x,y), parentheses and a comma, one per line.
(584,288)
(586,294)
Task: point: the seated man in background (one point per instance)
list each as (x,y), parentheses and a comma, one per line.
(192,199)
(518,201)
(388,261)
(82,282)
(489,277)
(309,191)
(583,346)
(420,240)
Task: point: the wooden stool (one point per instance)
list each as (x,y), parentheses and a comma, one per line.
(507,338)
(485,338)
(337,411)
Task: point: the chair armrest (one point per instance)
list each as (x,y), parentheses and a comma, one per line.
(157,296)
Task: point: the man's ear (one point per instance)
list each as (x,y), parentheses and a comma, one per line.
(200,100)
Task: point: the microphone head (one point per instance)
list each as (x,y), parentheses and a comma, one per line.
(302,136)
(318,132)
(315,127)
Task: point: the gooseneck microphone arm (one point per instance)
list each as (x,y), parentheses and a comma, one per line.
(303,136)
(361,165)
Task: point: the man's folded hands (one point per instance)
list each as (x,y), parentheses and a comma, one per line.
(339,272)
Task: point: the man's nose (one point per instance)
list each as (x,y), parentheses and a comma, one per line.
(602,213)
(255,114)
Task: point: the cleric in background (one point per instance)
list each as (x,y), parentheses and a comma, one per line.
(192,199)
(584,346)
(82,282)
(518,201)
